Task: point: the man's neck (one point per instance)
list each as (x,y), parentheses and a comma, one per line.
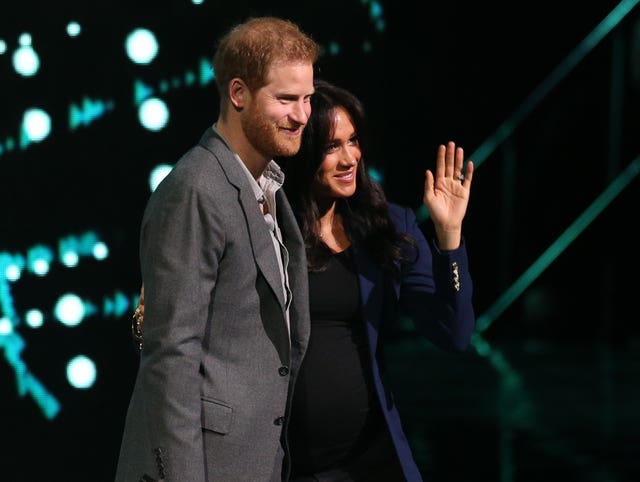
(238,142)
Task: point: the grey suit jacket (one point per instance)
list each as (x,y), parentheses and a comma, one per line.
(217,367)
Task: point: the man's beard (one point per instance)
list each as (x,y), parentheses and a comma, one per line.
(267,139)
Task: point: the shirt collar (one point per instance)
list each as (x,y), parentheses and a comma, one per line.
(269,181)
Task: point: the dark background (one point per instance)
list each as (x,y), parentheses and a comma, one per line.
(549,388)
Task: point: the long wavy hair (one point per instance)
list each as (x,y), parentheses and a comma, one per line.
(365,214)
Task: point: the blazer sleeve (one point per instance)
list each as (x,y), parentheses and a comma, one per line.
(180,248)
(435,288)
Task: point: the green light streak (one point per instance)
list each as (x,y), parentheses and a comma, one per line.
(518,412)
(559,73)
(553,251)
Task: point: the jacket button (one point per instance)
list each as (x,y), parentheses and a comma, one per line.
(278,421)
(283,371)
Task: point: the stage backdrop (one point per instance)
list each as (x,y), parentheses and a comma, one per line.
(99,99)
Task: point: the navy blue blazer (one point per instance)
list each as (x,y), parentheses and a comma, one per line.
(435,291)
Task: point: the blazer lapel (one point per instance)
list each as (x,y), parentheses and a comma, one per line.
(297,271)
(261,240)
(372,292)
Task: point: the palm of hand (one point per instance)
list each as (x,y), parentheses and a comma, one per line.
(446,195)
(447,202)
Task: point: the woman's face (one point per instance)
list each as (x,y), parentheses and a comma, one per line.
(336,177)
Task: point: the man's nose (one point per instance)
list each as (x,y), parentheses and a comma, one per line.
(301,112)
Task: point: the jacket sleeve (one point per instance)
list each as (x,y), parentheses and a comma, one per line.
(435,290)
(180,247)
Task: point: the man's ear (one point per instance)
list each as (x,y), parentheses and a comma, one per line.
(238,92)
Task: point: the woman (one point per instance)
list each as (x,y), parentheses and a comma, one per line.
(368,263)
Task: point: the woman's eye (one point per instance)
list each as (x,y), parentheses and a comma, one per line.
(331,148)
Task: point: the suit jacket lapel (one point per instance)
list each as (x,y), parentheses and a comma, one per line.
(261,241)
(297,271)
(372,292)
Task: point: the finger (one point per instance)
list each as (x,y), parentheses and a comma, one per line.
(440,161)
(459,161)
(428,185)
(468,175)
(449,159)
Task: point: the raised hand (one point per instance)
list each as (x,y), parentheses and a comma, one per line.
(446,195)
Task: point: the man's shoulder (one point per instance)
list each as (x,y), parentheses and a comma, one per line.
(210,153)
(212,142)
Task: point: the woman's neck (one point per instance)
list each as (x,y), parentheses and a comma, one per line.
(331,229)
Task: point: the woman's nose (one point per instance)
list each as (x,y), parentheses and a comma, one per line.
(349,157)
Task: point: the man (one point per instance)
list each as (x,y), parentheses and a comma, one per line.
(226,319)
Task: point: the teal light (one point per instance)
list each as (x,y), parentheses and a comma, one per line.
(141,46)
(34,318)
(553,251)
(36,125)
(88,111)
(375,174)
(25,59)
(153,114)
(39,259)
(100,251)
(81,372)
(69,309)
(553,79)
(73,29)
(158,174)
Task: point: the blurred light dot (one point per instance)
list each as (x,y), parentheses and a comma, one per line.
(153,114)
(24,39)
(100,250)
(34,318)
(26,61)
(158,174)
(69,310)
(141,46)
(70,259)
(12,273)
(36,124)
(375,9)
(3,46)
(6,327)
(375,174)
(73,29)
(40,267)
(81,372)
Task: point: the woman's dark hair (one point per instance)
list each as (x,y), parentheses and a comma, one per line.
(364,215)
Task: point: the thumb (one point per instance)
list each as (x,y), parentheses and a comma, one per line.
(428,184)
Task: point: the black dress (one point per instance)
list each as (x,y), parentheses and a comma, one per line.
(336,424)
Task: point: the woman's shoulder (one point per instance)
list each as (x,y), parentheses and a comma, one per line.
(397,208)
(399,214)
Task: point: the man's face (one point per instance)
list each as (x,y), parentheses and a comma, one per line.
(277,113)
